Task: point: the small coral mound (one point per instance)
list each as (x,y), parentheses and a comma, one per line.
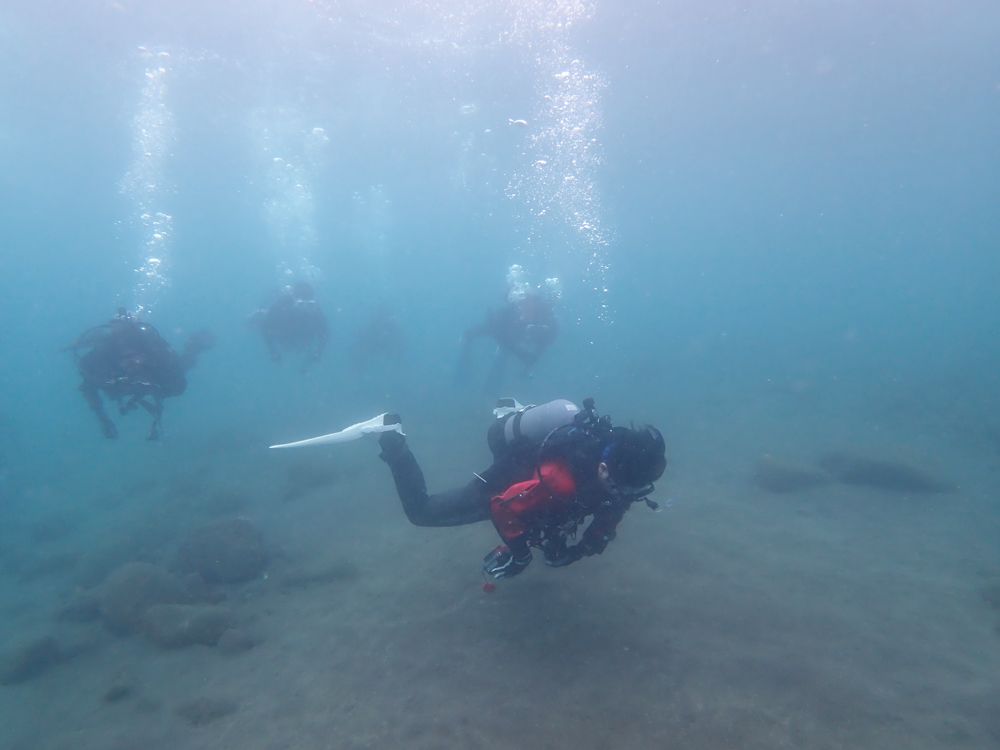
(175,625)
(224,552)
(131,590)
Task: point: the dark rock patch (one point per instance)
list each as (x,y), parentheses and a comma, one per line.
(176,625)
(883,475)
(224,552)
(201,592)
(201,711)
(146,543)
(118,692)
(778,476)
(133,589)
(29,660)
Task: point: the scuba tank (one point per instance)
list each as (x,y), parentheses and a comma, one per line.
(519,426)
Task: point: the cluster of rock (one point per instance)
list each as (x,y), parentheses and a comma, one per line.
(127,587)
(140,597)
(179,607)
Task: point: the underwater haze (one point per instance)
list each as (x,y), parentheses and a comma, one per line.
(770,229)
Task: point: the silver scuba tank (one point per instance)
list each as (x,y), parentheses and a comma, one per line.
(516,423)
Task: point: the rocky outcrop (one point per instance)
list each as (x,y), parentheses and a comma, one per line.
(224,552)
(130,591)
(176,625)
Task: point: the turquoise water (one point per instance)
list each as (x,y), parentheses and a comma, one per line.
(775,229)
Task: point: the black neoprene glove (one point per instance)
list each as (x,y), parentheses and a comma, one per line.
(560,557)
(501,563)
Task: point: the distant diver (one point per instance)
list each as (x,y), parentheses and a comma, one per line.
(293,321)
(524,328)
(130,361)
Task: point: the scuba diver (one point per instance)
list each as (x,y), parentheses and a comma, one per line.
(293,322)
(524,328)
(554,466)
(128,359)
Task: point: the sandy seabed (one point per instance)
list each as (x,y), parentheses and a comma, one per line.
(839,616)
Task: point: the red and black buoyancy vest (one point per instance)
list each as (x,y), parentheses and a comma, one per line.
(521,509)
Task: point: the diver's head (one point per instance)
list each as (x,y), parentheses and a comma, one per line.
(632,460)
(303,290)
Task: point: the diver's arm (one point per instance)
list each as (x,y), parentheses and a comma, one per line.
(601,531)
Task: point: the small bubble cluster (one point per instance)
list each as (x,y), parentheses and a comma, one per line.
(557,182)
(153,135)
(291,157)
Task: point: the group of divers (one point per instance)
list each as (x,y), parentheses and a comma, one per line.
(559,471)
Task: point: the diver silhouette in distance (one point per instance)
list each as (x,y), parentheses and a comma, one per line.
(523,329)
(293,321)
(130,362)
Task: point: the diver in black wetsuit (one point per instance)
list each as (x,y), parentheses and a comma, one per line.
(523,329)
(128,359)
(554,466)
(293,322)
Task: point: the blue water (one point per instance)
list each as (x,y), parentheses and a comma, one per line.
(776,230)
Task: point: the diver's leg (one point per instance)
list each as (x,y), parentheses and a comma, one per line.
(93,398)
(157,411)
(469,504)
(129,407)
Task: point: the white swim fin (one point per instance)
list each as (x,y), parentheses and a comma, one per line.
(381,423)
(507,406)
